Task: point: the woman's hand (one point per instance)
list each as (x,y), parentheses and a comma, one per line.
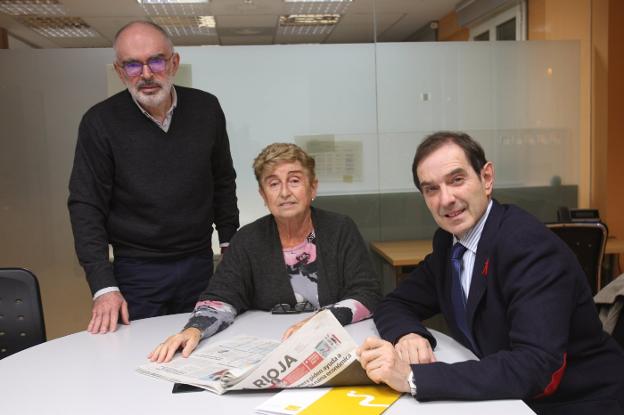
(187,339)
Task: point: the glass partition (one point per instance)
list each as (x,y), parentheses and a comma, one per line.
(360,109)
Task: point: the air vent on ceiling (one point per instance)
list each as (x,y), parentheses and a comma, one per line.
(59,27)
(187,25)
(32,8)
(307,24)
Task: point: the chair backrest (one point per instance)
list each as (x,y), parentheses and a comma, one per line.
(618,330)
(21,314)
(587,240)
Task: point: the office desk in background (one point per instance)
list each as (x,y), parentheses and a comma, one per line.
(401,254)
(95,374)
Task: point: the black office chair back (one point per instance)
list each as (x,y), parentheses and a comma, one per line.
(618,331)
(21,314)
(588,241)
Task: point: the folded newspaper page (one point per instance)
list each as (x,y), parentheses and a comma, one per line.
(321,352)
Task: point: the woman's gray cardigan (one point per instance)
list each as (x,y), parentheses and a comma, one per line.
(253,274)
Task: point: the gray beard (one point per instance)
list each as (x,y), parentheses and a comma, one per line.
(153,100)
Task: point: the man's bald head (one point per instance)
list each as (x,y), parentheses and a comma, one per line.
(142,24)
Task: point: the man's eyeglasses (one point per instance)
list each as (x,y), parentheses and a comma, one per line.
(156,64)
(304,307)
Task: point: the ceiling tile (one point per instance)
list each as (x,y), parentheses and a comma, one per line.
(32,8)
(246,19)
(246,31)
(285,39)
(243,7)
(195,40)
(58,27)
(108,8)
(265,20)
(246,40)
(182,9)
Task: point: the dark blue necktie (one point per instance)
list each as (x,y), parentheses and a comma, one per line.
(457,293)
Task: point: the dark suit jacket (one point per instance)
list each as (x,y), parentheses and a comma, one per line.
(532,317)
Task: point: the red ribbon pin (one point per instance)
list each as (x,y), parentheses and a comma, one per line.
(486,267)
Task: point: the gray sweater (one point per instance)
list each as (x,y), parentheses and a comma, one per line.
(253,275)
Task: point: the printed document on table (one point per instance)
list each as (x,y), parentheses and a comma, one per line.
(209,366)
(320,352)
(365,400)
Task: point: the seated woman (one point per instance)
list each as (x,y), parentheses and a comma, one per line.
(294,255)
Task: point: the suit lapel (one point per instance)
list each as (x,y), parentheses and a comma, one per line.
(481,270)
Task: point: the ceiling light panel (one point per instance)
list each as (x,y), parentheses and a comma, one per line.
(317,7)
(32,8)
(178,26)
(318,1)
(307,24)
(304,30)
(59,27)
(179,9)
(309,20)
(171,1)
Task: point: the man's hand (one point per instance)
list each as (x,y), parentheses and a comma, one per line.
(105,313)
(187,339)
(292,329)
(414,349)
(383,364)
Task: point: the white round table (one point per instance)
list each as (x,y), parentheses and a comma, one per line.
(95,374)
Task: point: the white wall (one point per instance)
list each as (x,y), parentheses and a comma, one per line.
(15,43)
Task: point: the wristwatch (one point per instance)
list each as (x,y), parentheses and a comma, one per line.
(412,385)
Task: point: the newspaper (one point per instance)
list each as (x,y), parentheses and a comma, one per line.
(314,355)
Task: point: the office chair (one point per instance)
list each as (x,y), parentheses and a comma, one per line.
(21,314)
(610,303)
(618,331)
(587,240)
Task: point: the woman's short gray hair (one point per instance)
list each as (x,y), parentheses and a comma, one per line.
(277,153)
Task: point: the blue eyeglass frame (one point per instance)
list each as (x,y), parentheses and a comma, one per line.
(152,63)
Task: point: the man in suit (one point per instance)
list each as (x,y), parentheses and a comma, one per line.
(510,290)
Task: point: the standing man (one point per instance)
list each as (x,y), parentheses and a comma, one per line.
(152,174)
(510,290)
